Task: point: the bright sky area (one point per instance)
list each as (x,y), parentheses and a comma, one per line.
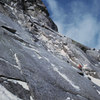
(77,19)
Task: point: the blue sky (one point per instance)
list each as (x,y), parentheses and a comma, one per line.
(77,19)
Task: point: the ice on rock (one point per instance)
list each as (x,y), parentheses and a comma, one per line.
(6,95)
(95,80)
(66,78)
(68,98)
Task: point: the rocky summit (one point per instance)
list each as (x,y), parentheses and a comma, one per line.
(37,62)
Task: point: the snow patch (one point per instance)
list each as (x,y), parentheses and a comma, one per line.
(19,22)
(9,63)
(23,84)
(52,65)
(63,53)
(66,47)
(47,59)
(17,61)
(33,17)
(75,68)
(9,6)
(39,57)
(96,65)
(95,80)
(31,98)
(6,95)
(98,92)
(30,48)
(68,98)
(66,78)
(43,38)
(33,49)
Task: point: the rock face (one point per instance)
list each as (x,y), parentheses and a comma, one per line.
(37,63)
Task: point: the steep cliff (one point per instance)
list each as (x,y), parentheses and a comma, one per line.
(38,63)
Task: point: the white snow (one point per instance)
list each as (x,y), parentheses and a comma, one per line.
(39,56)
(12,3)
(68,98)
(30,48)
(43,38)
(6,95)
(23,84)
(34,49)
(96,64)
(73,63)
(33,17)
(95,80)
(66,47)
(98,92)
(9,63)
(66,78)
(75,68)
(57,41)
(9,6)
(15,10)
(19,22)
(31,98)
(17,61)
(47,59)
(52,65)
(62,52)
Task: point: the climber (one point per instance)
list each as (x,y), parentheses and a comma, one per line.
(80,67)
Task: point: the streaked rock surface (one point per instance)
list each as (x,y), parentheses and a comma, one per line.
(37,62)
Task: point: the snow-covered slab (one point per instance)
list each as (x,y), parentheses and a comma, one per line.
(98,92)
(95,80)
(23,84)
(6,95)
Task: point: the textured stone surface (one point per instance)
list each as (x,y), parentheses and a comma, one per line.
(37,63)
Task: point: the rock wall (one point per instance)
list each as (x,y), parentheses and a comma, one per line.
(37,62)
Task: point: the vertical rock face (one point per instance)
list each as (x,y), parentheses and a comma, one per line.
(37,63)
(34,8)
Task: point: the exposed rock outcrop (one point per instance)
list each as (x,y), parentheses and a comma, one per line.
(38,63)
